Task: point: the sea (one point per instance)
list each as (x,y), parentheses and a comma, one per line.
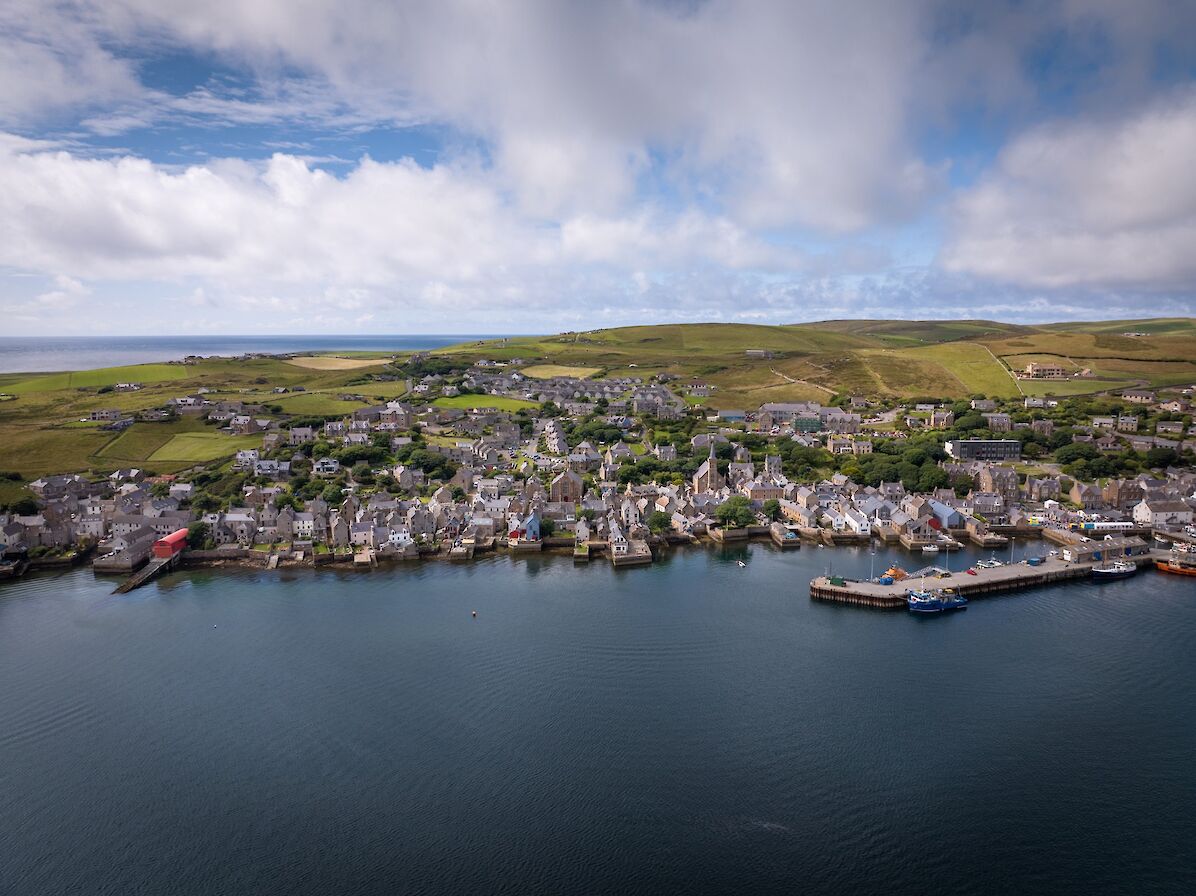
(691,727)
(44,353)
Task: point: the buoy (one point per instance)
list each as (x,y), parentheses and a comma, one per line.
(213,626)
(475,614)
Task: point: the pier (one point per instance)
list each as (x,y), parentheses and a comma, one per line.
(151,570)
(1014,577)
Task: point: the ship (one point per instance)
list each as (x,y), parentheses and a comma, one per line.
(1182,561)
(1118,569)
(924,602)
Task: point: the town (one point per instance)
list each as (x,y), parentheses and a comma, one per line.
(619,467)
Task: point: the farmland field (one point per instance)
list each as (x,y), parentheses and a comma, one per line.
(324,362)
(498,402)
(137,443)
(198,447)
(1083,386)
(34,451)
(547,371)
(314,403)
(972,365)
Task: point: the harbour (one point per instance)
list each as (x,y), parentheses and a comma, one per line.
(690,725)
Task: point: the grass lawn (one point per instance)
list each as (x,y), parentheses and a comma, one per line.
(323,362)
(102,376)
(197,447)
(547,371)
(499,402)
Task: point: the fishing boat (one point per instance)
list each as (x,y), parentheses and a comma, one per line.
(1182,561)
(925,602)
(1118,569)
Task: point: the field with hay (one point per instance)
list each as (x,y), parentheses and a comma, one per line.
(329,362)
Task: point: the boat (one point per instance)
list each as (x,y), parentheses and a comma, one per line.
(1182,562)
(896,572)
(930,549)
(741,564)
(924,602)
(1118,569)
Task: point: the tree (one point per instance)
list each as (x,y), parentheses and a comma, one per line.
(547,527)
(23,507)
(197,535)
(1161,457)
(735,512)
(772,509)
(659,522)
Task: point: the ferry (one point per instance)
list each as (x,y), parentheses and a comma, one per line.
(1118,569)
(925,602)
(1182,562)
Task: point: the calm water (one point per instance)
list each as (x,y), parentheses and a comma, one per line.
(37,353)
(693,727)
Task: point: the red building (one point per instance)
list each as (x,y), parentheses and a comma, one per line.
(170,545)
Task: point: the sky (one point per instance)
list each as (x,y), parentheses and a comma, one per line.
(525,166)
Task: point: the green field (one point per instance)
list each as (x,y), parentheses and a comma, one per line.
(973,366)
(313,403)
(103,376)
(499,402)
(137,443)
(34,451)
(11,491)
(199,447)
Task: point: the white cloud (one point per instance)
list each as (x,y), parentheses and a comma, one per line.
(436,241)
(777,112)
(1090,202)
(52,59)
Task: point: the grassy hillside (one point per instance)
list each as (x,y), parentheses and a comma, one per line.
(879,358)
(41,432)
(917,332)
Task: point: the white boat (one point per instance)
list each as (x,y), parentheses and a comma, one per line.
(930,549)
(741,563)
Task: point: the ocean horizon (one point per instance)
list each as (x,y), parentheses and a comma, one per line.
(46,354)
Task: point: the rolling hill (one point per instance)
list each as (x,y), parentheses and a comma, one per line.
(876,358)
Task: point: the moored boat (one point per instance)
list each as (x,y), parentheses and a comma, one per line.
(1182,562)
(930,549)
(1118,569)
(924,602)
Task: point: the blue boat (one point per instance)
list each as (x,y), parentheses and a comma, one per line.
(929,603)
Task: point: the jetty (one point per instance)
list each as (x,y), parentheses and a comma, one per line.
(156,567)
(995,580)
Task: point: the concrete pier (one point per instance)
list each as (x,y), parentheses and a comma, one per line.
(1014,577)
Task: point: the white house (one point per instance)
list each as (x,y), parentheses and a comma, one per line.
(1157,512)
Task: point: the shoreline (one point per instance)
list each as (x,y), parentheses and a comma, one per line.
(248,558)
